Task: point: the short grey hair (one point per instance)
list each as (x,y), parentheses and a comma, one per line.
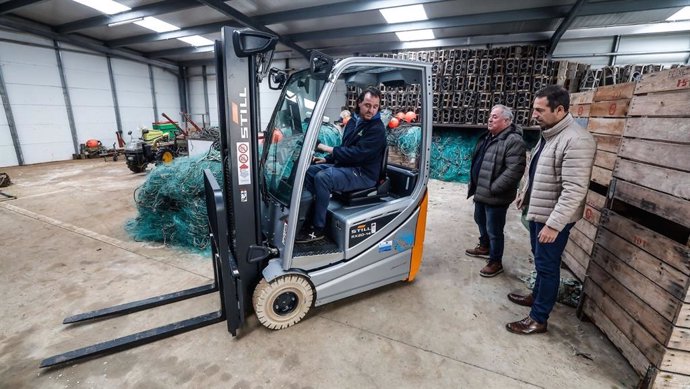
(507,112)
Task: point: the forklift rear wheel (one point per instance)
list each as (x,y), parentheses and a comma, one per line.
(282,302)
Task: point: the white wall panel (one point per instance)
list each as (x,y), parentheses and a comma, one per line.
(195,90)
(38,106)
(167,94)
(133,94)
(88,83)
(212,97)
(8,156)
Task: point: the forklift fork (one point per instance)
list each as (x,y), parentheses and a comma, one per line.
(224,269)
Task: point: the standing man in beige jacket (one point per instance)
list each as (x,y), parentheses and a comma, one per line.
(559,174)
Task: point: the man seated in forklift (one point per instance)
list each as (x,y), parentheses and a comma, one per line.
(353,165)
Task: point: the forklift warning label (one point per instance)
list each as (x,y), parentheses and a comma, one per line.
(244,173)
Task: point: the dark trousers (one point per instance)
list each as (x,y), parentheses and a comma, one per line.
(323,179)
(491,219)
(547,260)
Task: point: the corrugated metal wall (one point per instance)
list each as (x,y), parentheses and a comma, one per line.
(38,105)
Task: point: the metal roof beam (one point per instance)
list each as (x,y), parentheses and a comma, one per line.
(344,8)
(520,15)
(196,30)
(245,20)
(447,22)
(40,29)
(137,12)
(179,51)
(565,24)
(12,5)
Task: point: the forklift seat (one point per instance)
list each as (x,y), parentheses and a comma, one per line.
(372,194)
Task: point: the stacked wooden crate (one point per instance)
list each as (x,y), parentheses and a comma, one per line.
(605,109)
(636,289)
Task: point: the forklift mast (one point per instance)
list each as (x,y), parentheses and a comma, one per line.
(238,102)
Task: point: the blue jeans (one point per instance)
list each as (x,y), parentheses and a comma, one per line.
(323,179)
(547,260)
(491,219)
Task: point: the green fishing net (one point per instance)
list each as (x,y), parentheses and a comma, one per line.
(171,203)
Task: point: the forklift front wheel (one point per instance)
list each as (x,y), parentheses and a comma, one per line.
(282,302)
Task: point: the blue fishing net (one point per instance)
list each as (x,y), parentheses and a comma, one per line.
(171,203)
(451,154)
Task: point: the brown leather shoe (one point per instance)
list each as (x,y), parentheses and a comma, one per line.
(479,252)
(492,269)
(519,299)
(526,326)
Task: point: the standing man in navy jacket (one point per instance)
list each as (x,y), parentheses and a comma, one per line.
(353,165)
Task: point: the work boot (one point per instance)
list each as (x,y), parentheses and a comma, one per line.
(479,252)
(521,299)
(526,326)
(310,235)
(492,269)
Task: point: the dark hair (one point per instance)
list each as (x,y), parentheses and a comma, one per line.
(374,92)
(556,95)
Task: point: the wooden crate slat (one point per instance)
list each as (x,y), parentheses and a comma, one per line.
(666,380)
(581,240)
(668,155)
(580,110)
(669,181)
(605,159)
(661,247)
(676,361)
(683,319)
(669,278)
(636,335)
(595,200)
(587,228)
(614,92)
(607,143)
(662,129)
(591,215)
(652,294)
(581,97)
(655,324)
(661,204)
(661,104)
(601,176)
(672,79)
(607,126)
(574,266)
(680,339)
(635,357)
(578,254)
(615,108)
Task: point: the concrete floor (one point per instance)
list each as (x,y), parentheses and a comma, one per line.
(63,250)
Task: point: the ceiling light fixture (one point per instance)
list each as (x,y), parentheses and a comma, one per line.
(196,40)
(122,22)
(416,35)
(683,14)
(156,24)
(106,6)
(408,13)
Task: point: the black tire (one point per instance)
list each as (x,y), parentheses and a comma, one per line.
(115,157)
(136,168)
(165,155)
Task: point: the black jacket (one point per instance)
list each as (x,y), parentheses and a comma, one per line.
(501,169)
(363,145)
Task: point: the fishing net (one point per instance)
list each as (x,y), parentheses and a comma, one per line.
(171,203)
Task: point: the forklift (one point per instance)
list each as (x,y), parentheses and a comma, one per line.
(374,236)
